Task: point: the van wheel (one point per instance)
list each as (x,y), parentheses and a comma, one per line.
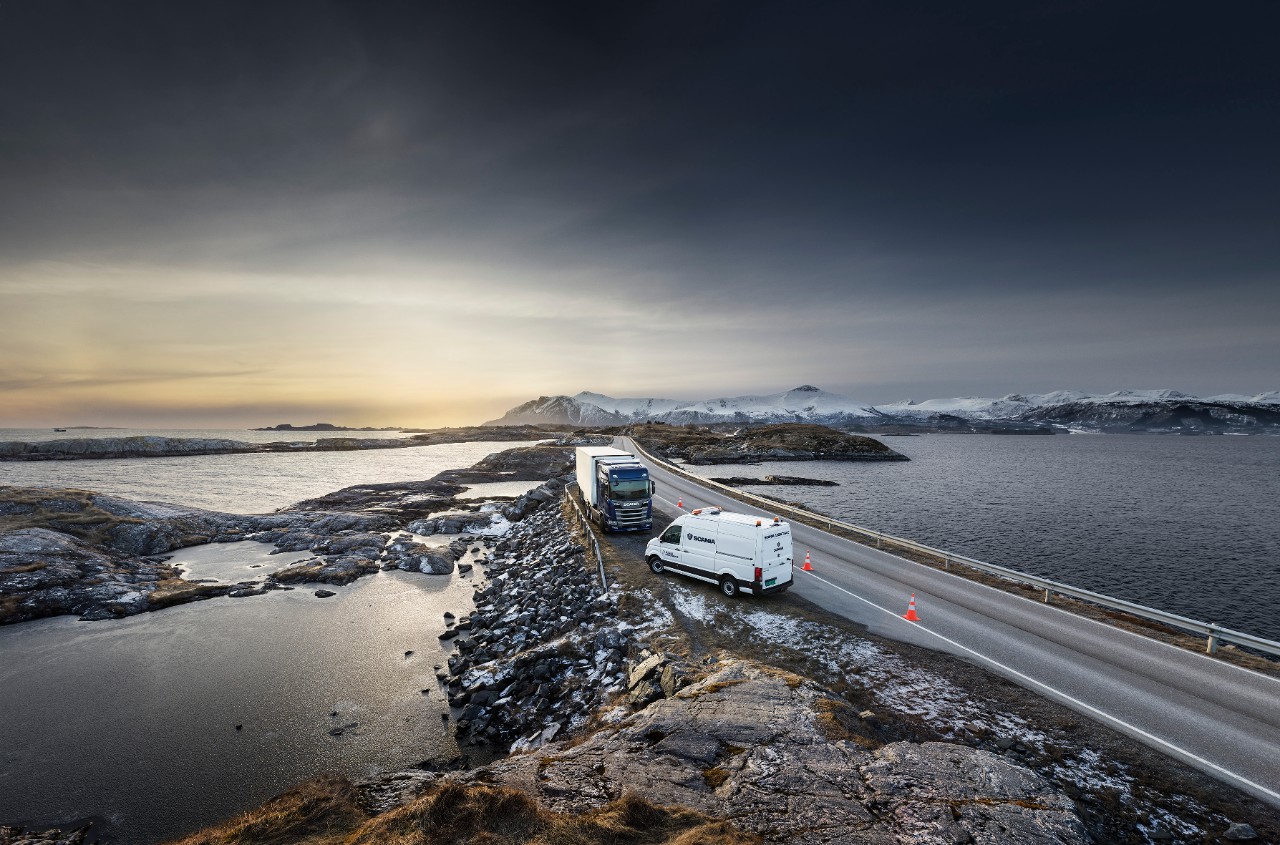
(728,586)
(655,565)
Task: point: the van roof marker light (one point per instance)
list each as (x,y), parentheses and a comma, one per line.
(696,511)
(759,523)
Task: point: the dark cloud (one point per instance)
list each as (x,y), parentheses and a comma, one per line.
(848,154)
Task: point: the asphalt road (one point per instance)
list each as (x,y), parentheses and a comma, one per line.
(1217,717)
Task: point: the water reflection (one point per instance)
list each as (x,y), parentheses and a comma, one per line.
(135,719)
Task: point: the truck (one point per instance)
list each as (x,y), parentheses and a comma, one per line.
(616,488)
(737,552)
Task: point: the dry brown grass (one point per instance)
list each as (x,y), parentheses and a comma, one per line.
(327,811)
(34,566)
(714,776)
(171,591)
(69,511)
(318,812)
(836,720)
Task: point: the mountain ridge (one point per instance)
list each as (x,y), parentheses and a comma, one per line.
(1120,410)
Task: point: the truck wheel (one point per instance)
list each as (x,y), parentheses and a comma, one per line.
(728,586)
(655,565)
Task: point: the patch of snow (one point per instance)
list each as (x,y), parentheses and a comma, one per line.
(498,526)
(689,603)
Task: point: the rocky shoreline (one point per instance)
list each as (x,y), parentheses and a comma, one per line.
(775,481)
(99,448)
(102,557)
(595,699)
(752,445)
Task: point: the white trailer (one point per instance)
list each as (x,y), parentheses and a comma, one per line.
(736,551)
(616,488)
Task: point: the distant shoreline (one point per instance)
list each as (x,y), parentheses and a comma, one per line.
(143,446)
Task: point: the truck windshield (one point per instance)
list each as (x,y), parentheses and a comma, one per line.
(630,489)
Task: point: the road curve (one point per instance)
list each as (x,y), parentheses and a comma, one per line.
(1217,717)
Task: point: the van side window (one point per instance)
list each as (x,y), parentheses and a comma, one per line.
(671,535)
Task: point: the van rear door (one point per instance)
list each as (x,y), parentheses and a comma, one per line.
(736,550)
(775,555)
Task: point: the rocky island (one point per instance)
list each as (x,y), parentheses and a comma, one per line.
(696,444)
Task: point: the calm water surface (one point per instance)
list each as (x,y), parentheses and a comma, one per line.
(30,435)
(1186,524)
(247,483)
(134,720)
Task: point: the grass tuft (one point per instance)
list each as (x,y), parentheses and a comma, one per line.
(317,812)
(327,811)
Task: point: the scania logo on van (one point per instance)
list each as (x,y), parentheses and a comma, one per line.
(692,536)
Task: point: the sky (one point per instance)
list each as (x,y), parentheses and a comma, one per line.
(404,213)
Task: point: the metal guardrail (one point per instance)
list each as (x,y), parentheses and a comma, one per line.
(587,530)
(1215,633)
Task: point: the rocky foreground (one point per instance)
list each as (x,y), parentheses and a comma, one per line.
(615,732)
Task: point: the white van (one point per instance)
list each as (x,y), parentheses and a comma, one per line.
(736,551)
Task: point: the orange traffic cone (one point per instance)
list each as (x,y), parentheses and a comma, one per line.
(808,566)
(680,503)
(910,615)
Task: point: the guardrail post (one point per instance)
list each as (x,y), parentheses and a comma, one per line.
(1047,594)
(1212,646)
(946,562)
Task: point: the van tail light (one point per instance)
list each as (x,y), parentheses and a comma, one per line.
(759,574)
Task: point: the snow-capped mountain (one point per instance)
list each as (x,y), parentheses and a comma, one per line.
(801,404)
(805,403)
(1122,410)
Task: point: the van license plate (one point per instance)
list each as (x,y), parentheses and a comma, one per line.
(771,582)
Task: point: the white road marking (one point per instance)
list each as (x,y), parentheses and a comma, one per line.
(1106,717)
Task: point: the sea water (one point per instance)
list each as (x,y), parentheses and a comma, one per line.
(1189,525)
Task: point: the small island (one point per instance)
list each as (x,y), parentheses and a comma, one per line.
(326,427)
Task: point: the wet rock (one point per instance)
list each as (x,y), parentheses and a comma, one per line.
(776,480)
(644,670)
(1240,832)
(53,836)
(745,744)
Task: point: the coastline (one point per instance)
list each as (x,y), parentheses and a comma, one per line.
(144,446)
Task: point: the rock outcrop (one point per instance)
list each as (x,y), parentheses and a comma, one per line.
(100,557)
(776,481)
(80,448)
(787,442)
(773,752)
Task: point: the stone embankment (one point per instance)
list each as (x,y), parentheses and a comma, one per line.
(101,557)
(544,647)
